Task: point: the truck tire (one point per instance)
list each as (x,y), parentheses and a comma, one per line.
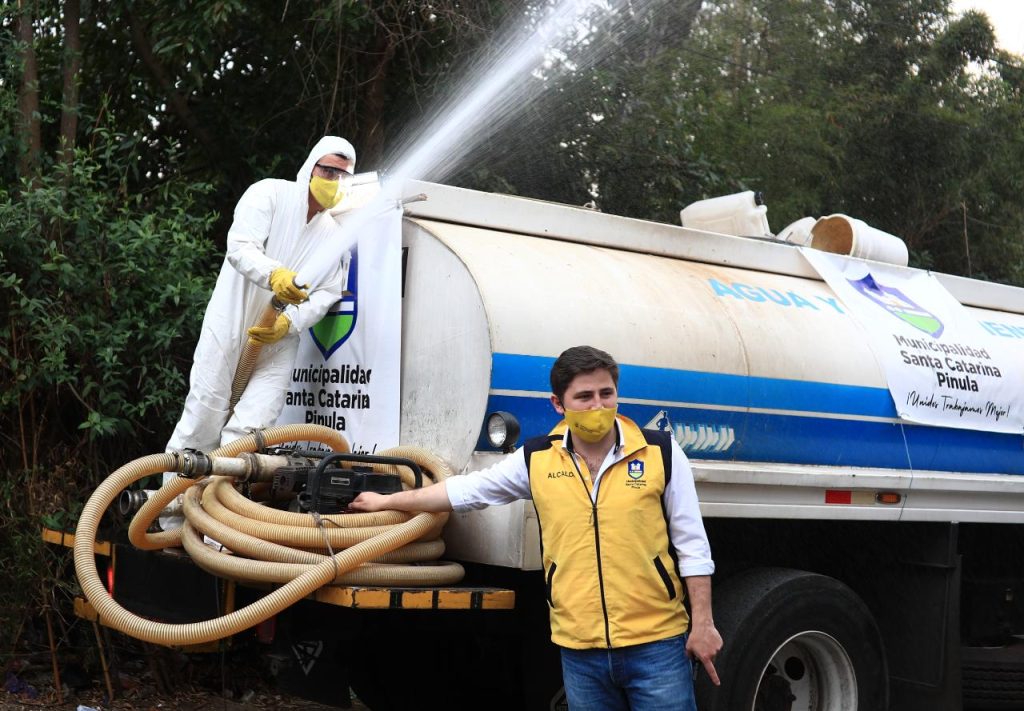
(993,677)
(794,640)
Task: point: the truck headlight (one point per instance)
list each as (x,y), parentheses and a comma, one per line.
(502,430)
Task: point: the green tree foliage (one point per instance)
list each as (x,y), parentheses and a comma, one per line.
(103,287)
(102,291)
(246,87)
(605,121)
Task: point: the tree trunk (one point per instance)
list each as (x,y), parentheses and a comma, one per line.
(372,116)
(72,67)
(28,94)
(177,102)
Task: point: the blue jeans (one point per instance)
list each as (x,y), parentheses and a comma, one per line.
(656,676)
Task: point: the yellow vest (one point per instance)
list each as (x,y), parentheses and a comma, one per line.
(610,567)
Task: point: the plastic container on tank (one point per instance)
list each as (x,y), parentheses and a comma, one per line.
(798,232)
(841,234)
(741,214)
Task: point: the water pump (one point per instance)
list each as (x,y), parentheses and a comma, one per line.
(337,479)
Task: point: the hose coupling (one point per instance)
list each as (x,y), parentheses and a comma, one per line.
(192,464)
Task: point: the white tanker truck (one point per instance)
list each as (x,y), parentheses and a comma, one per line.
(864,561)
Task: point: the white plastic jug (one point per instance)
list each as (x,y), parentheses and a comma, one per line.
(740,214)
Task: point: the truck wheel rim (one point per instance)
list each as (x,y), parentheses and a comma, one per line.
(810,670)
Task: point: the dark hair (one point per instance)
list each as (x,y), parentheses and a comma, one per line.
(580,359)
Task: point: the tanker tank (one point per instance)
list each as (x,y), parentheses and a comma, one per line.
(737,345)
(747,364)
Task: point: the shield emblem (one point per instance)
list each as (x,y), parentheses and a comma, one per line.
(635,469)
(899,305)
(338,324)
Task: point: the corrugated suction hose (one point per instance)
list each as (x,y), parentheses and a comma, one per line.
(279,546)
(251,351)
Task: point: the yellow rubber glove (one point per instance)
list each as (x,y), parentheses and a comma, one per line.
(271,334)
(282,281)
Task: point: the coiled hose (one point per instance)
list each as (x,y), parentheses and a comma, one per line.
(280,546)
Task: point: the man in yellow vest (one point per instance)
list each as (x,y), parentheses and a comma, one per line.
(621,533)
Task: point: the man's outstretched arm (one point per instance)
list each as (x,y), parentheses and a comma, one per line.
(428,498)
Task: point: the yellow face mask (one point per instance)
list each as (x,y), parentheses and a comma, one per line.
(591,425)
(327,193)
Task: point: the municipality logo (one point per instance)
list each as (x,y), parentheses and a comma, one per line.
(635,469)
(899,305)
(339,323)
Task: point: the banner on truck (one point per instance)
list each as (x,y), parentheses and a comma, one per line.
(942,367)
(347,370)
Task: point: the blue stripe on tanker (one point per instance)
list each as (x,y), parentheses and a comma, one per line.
(768,437)
(518,372)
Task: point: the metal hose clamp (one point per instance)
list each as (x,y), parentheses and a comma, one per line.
(261,441)
(192,464)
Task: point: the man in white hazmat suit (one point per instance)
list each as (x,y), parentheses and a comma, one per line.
(272,247)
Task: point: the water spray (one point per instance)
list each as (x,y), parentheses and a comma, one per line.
(519,57)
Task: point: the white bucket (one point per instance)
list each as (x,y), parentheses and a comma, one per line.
(798,232)
(840,234)
(738,214)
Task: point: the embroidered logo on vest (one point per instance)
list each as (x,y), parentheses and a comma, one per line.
(561,474)
(635,469)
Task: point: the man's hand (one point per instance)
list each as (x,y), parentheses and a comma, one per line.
(282,282)
(369,502)
(703,645)
(704,642)
(270,334)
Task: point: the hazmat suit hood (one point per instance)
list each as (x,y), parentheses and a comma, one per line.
(327,145)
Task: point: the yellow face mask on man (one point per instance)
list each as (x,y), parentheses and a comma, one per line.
(327,193)
(591,425)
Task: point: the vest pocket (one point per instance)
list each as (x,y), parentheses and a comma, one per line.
(549,581)
(663,573)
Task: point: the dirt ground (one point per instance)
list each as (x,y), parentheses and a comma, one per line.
(144,699)
(148,679)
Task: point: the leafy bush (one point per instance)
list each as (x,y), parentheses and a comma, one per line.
(104,286)
(104,290)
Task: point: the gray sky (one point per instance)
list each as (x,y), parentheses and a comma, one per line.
(1006,16)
